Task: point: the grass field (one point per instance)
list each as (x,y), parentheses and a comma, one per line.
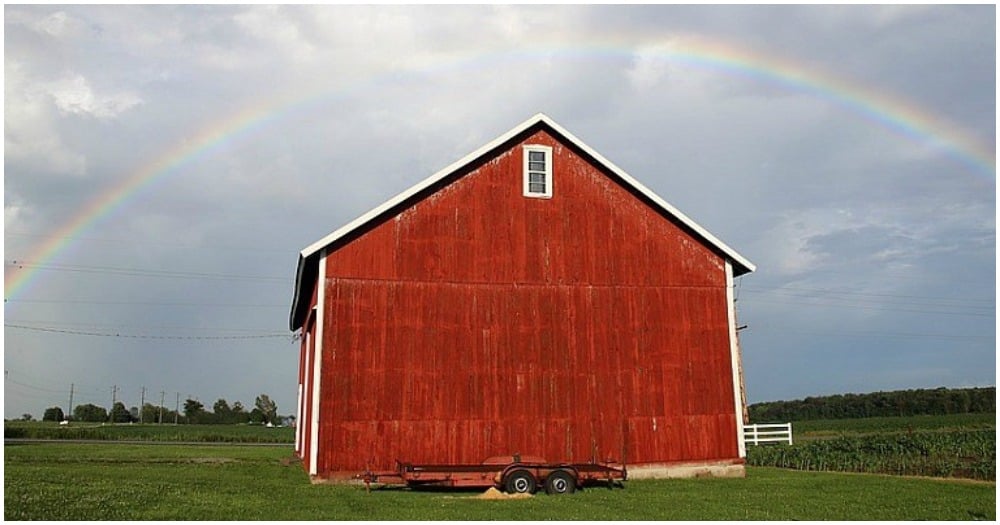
(150,432)
(61,481)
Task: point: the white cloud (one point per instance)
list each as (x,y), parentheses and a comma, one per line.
(648,68)
(72,94)
(31,138)
(13,212)
(54,24)
(271,24)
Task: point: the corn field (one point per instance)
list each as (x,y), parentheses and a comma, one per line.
(956,453)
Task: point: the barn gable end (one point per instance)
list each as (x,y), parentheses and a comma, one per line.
(464,319)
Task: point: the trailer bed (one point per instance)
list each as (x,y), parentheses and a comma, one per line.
(513,474)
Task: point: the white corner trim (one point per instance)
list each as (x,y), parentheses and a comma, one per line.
(317,368)
(298,418)
(734,358)
(300,413)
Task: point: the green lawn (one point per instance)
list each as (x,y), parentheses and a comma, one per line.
(174,482)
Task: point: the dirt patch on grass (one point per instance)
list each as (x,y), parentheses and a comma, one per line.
(492,493)
(211,461)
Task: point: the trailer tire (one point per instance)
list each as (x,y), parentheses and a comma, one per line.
(560,482)
(520,481)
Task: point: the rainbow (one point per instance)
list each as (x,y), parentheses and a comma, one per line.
(891,111)
(883,109)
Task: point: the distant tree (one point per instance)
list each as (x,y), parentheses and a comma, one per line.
(223,414)
(194,411)
(256,416)
(27,417)
(879,404)
(90,412)
(982,399)
(53,414)
(151,413)
(120,414)
(268,408)
(240,414)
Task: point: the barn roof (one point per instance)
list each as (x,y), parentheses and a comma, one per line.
(306,273)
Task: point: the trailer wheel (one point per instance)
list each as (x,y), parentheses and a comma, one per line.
(560,482)
(520,482)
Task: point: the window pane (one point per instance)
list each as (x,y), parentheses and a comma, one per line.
(536,166)
(536,187)
(536,156)
(536,177)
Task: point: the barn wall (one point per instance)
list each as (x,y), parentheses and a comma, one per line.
(307,353)
(479,322)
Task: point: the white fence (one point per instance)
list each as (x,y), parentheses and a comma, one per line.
(767,433)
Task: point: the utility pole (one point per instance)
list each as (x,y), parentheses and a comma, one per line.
(739,363)
(161,406)
(177,407)
(142,403)
(67,415)
(114,399)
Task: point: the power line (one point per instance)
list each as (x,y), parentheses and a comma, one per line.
(138,272)
(53,397)
(9,380)
(857,333)
(143,303)
(49,398)
(213,247)
(145,336)
(830,291)
(79,386)
(118,328)
(869,307)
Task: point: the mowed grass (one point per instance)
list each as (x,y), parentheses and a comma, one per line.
(223,482)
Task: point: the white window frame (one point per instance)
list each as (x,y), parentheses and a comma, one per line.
(526,188)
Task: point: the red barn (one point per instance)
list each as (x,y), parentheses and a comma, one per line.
(530,298)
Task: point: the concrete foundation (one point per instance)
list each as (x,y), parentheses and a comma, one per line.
(701,469)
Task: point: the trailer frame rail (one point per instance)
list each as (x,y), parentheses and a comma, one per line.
(513,474)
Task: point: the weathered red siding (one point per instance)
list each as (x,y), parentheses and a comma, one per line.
(479,322)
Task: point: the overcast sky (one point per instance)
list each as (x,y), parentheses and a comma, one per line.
(177,159)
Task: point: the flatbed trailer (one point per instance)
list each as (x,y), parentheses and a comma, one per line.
(512,474)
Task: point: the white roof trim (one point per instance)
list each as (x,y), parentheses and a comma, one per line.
(652,196)
(540,117)
(318,246)
(418,187)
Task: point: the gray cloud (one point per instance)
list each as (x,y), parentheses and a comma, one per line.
(270,126)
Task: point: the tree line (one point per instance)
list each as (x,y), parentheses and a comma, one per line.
(917,402)
(265,411)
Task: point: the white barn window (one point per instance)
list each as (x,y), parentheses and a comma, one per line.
(538,171)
